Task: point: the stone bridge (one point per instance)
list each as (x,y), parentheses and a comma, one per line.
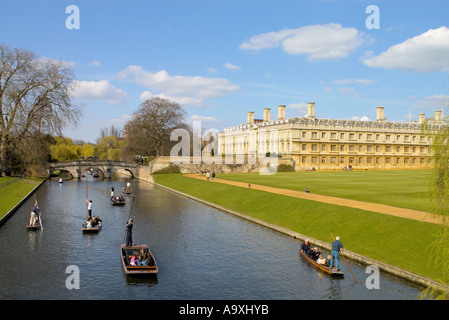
(106,167)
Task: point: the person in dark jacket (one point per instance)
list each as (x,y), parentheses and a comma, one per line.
(129,233)
(305,247)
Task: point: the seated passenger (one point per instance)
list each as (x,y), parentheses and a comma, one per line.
(314,254)
(321,260)
(305,247)
(143,258)
(135,259)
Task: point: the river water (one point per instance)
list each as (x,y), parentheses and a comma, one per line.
(202,253)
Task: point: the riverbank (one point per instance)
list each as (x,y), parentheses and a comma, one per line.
(396,245)
(13,192)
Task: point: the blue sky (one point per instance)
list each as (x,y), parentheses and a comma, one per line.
(220,59)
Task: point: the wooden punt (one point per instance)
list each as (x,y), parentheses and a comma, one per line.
(117,203)
(323,268)
(92,230)
(126,254)
(35,226)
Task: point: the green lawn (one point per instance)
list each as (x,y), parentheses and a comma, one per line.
(405,188)
(396,241)
(13,190)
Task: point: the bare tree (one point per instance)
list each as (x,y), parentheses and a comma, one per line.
(34,98)
(150,127)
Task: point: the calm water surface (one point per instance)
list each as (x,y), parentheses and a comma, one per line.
(202,253)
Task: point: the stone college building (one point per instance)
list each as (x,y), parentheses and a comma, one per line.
(329,144)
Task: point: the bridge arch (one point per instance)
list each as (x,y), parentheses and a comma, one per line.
(108,168)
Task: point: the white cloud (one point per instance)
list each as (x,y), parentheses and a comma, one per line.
(95,63)
(435,102)
(427,52)
(231,66)
(97,90)
(203,119)
(318,42)
(212,70)
(351,81)
(182,89)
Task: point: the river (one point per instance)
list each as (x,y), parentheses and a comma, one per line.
(202,253)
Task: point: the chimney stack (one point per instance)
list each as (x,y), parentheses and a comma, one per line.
(311,109)
(438,115)
(421,118)
(266,115)
(380,113)
(250,117)
(281,112)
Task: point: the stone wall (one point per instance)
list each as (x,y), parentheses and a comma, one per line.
(191,165)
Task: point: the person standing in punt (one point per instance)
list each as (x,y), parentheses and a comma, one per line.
(337,247)
(129,233)
(89,207)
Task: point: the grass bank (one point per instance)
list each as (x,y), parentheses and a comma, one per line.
(13,190)
(400,188)
(396,241)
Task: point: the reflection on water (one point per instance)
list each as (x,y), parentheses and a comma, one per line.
(201,253)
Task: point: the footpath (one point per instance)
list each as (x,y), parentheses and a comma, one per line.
(367,206)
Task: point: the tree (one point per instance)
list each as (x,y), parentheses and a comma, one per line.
(439,190)
(109,148)
(34,98)
(64,150)
(150,127)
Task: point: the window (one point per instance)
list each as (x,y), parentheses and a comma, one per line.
(342,148)
(314,159)
(333,135)
(351,159)
(351,136)
(304,147)
(360,136)
(323,159)
(323,135)
(387,149)
(314,147)
(333,147)
(314,135)
(398,149)
(323,147)
(351,147)
(387,137)
(369,148)
(303,159)
(406,149)
(377,149)
(333,159)
(342,135)
(369,136)
(304,134)
(387,160)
